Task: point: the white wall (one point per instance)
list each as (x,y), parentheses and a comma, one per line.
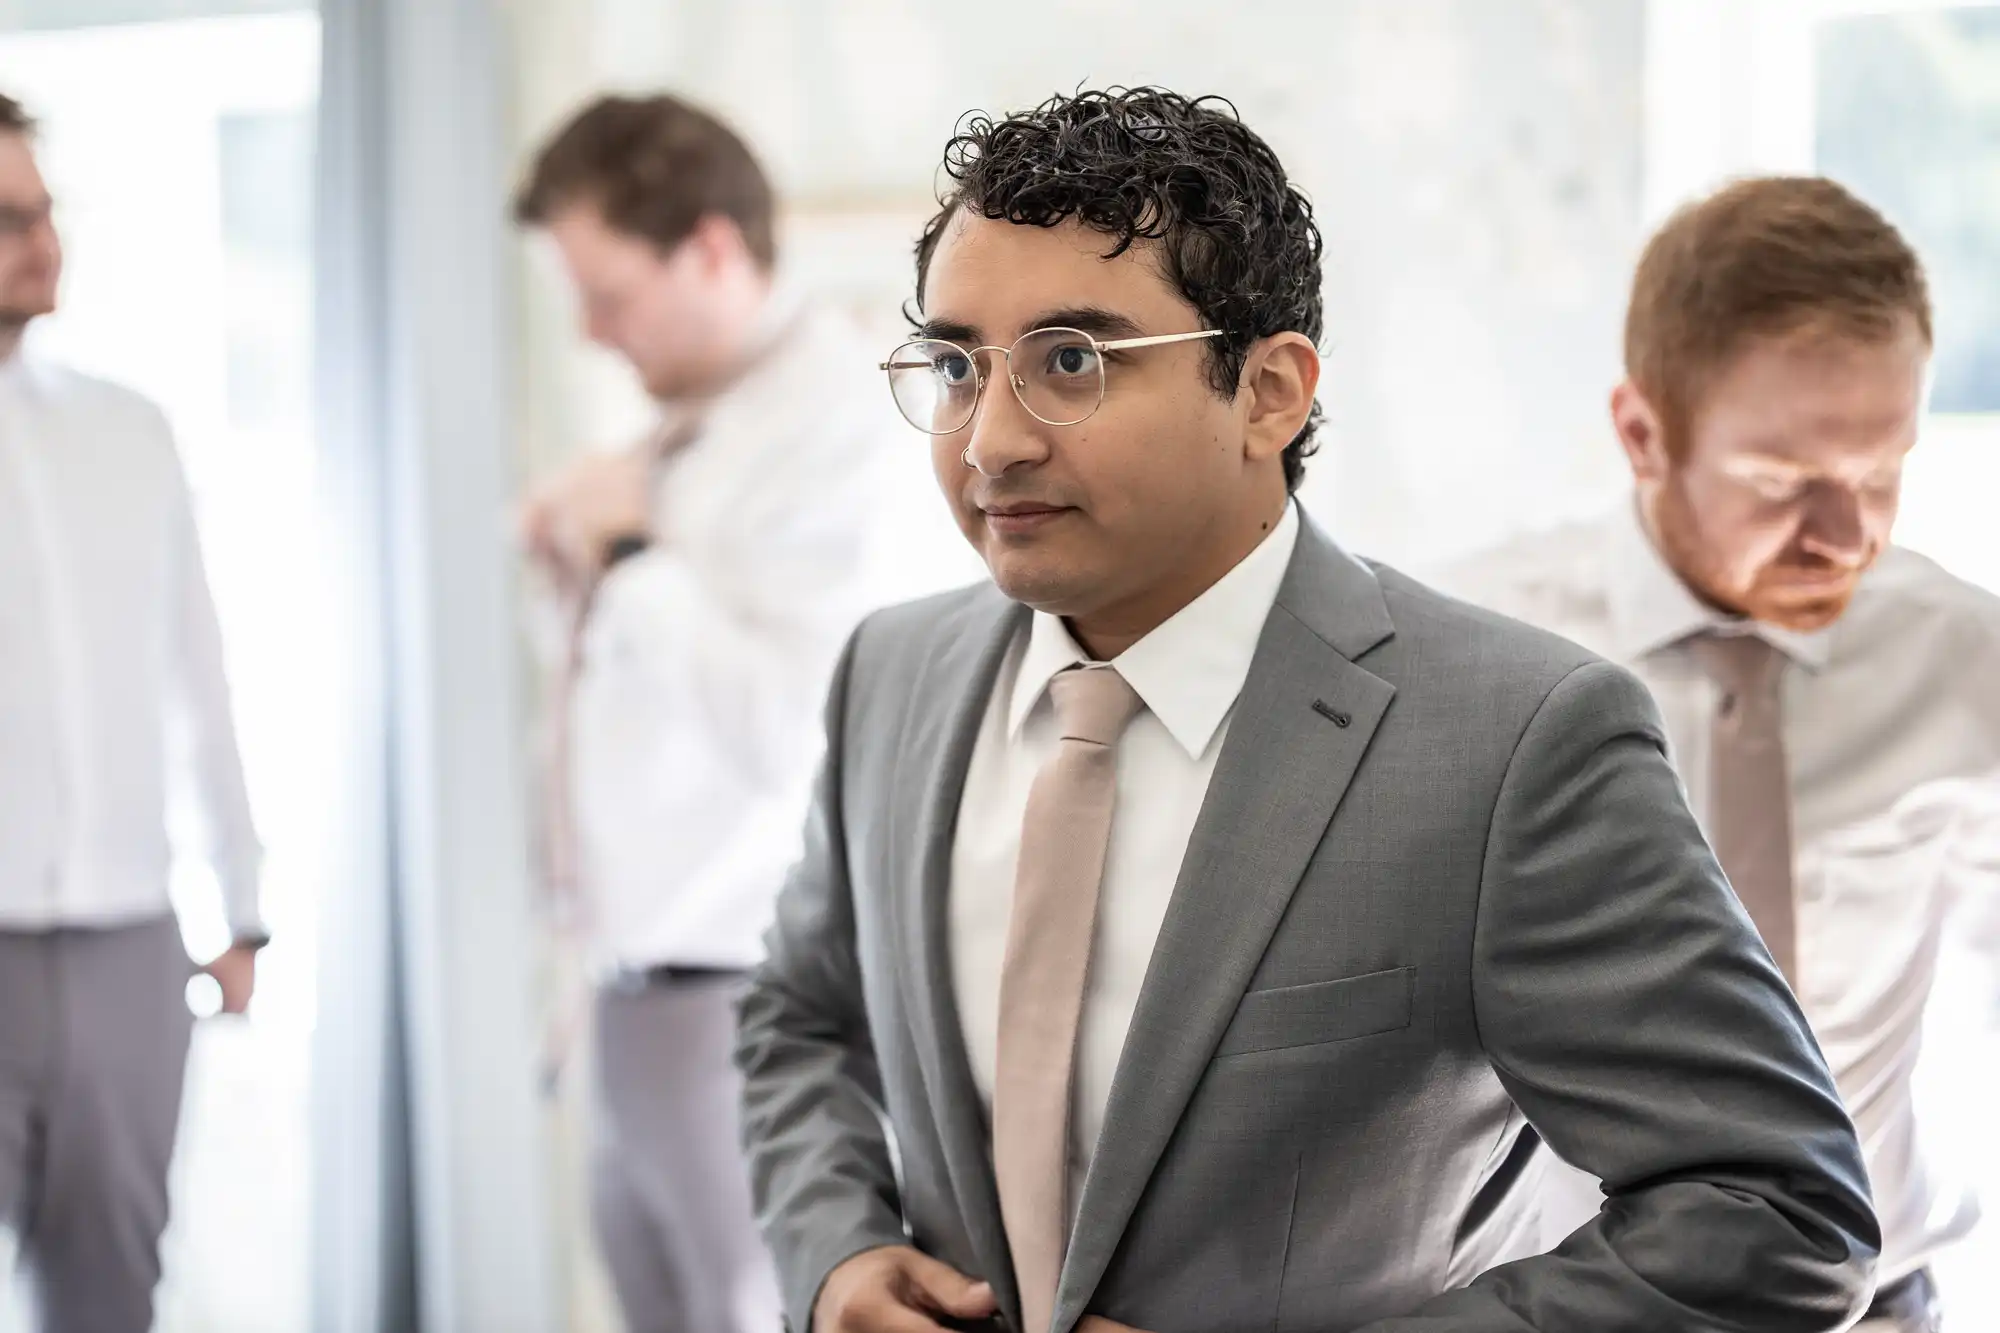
(1476,167)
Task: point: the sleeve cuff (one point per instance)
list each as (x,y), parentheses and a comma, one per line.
(240,879)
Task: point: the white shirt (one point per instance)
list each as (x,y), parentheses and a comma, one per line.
(696,722)
(1892,734)
(1189,673)
(111,681)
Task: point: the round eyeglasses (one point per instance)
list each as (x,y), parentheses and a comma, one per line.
(1058,374)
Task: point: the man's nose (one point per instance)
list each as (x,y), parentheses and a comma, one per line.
(1003,434)
(1833,525)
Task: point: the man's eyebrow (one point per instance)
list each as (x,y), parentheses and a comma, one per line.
(1094,320)
(947,330)
(1091,319)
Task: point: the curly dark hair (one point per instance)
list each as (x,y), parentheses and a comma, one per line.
(1237,238)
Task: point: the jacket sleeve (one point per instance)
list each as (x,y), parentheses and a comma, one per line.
(1632,1013)
(814,1130)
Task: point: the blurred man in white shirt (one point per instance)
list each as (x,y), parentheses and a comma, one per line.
(110,670)
(710,575)
(1833,700)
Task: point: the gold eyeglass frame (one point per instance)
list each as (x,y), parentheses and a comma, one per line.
(1098,345)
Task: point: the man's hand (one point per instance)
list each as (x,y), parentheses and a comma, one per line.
(235,972)
(1092,1324)
(898,1290)
(571,519)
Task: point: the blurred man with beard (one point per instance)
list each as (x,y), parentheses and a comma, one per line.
(1833,700)
(113,703)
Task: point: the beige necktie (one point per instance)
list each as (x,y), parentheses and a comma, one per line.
(561,878)
(1064,835)
(1749,793)
(565,895)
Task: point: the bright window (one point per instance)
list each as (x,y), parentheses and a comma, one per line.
(181,155)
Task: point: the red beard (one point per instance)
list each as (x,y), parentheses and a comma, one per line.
(1798,591)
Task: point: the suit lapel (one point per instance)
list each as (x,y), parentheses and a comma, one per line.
(940,730)
(1300,728)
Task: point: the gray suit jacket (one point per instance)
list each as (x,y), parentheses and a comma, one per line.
(1444,897)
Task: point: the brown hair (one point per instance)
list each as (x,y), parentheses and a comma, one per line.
(1766,256)
(655,167)
(14,118)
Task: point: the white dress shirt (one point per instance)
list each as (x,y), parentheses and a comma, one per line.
(696,713)
(1189,673)
(1892,734)
(112,691)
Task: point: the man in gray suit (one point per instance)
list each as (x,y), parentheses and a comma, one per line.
(1200,929)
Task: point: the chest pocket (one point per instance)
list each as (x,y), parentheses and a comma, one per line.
(1322,1012)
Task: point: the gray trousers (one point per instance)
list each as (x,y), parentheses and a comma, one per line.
(94,1029)
(670,1194)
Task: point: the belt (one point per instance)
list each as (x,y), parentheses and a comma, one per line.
(634,979)
(1909,1301)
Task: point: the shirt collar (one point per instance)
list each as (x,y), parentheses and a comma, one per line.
(14,369)
(22,380)
(1652,609)
(783,309)
(1190,669)
(784,305)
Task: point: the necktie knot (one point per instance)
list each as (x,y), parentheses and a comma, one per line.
(1093,704)
(1740,665)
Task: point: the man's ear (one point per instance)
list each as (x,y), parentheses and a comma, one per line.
(1280,378)
(1642,434)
